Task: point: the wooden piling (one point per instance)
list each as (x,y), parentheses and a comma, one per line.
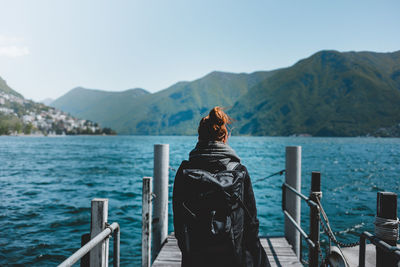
(160,203)
(99,216)
(386,207)
(315,195)
(293,207)
(146,221)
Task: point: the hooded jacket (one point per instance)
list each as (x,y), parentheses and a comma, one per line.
(215,156)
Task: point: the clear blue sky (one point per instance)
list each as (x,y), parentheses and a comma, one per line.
(49,47)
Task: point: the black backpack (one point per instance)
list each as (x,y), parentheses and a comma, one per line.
(214,216)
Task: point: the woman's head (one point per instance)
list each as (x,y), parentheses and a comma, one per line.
(213,126)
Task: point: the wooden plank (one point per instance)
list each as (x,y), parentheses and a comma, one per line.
(279,253)
(170,255)
(351,255)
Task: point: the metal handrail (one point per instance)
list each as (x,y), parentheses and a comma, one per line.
(298,227)
(306,199)
(377,242)
(314,209)
(80,253)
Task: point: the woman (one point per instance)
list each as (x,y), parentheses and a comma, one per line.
(215,216)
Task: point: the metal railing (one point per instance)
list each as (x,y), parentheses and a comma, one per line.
(312,239)
(393,250)
(112,229)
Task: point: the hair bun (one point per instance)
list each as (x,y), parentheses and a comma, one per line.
(213,126)
(218,117)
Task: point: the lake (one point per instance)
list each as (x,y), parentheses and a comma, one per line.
(47,183)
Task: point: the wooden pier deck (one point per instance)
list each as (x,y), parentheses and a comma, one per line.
(352,254)
(279,253)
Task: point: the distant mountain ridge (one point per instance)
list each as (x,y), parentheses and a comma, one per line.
(330,93)
(19,116)
(170,111)
(83,102)
(327,94)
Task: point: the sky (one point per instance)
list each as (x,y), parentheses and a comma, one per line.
(48,47)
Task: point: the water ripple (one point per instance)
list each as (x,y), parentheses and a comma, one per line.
(46,186)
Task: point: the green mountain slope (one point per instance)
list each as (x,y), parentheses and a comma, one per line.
(175,110)
(327,94)
(4,88)
(91,103)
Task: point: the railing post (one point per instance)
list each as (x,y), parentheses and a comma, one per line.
(99,254)
(160,204)
(361,254)
(116,257)
(314,218)
(146,221)
(293,178)
(386,208)
(85,261)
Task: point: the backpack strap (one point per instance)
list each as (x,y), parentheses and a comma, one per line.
(245,209)
(232,165)
(237,199)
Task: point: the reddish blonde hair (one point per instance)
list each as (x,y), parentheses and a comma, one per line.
(213,126)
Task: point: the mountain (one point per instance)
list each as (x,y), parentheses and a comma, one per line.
(330,93)
(327,94)
(4,88)
(96,104)
(21,116)
(175,110)
(86,102)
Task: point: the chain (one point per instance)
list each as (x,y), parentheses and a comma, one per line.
(333,238)
(320,252)
(327,229)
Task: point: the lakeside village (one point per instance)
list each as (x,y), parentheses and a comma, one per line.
(19,116)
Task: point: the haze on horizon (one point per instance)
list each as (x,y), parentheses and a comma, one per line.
(49,47)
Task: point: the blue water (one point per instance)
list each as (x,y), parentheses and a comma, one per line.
(46,185)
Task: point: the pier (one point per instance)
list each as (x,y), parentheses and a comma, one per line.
(279,253)
(160,249)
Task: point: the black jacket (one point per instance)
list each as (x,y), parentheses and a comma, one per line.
(214,157)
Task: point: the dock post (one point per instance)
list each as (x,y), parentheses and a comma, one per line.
(99,216)
(160,205)
(293,178)
(386,207)
(314,218)
(146,221)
